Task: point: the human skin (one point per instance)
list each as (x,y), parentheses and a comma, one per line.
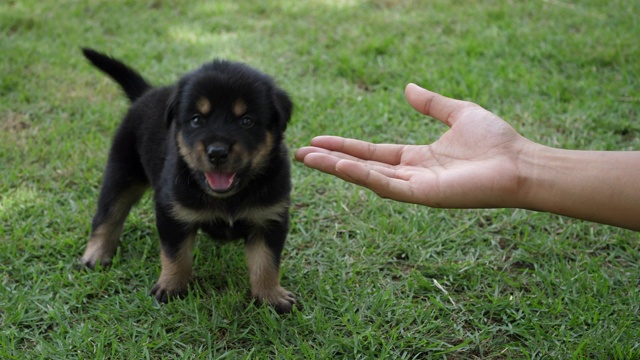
(482,162)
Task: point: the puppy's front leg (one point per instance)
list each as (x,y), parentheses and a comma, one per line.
(263,260)
(176,255)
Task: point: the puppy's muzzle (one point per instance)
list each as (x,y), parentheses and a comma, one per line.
(218,153)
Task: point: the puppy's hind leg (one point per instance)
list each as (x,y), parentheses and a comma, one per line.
(122,187)
(113,208)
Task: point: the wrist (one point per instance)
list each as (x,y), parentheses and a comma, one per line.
(534,167)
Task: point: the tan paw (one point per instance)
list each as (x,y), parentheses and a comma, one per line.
(96,253)
(163,293)
(280,298)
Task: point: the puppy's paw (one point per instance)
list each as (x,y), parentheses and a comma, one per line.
(101,247)
(95,255)
(280,298)
(164,293)
(171,284)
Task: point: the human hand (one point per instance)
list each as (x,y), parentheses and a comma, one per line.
(475,164)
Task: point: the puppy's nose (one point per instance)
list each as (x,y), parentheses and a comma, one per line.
(218,153)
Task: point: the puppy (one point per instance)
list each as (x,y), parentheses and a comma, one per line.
(211,148)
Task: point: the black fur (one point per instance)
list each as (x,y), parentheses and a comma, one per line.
(211,147)
(132,83)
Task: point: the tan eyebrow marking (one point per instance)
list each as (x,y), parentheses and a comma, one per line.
(204,105)
(239,107)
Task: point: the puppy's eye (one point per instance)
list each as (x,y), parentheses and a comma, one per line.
(246,122)
(197,120)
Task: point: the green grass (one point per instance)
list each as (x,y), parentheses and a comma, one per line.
(372,274)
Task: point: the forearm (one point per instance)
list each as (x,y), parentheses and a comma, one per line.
(599,186)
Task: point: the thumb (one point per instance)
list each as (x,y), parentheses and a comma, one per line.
(432,104)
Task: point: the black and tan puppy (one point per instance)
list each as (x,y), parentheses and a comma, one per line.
(211,147)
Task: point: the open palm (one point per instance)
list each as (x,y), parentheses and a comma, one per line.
(472,164)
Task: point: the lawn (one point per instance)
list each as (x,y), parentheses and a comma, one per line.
(377,279)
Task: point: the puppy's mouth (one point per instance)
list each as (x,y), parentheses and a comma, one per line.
(220,181)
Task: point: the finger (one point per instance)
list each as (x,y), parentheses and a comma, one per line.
(383,153)
(382,181)
(345,166)
(324,159)
(301,153)
(382,184)
(328,164)
(433,104)
(324,162)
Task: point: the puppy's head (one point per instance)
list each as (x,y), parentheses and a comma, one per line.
(229,121)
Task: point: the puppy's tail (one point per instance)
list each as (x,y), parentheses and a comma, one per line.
(133,84)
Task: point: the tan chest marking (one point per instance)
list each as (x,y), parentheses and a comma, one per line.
(257,215)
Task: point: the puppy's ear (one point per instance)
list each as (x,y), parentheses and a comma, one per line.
(172,108)
(283,106)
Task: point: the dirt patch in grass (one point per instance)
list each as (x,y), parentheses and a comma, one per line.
(14,123)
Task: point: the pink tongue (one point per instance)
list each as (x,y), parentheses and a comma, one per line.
(219,181)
